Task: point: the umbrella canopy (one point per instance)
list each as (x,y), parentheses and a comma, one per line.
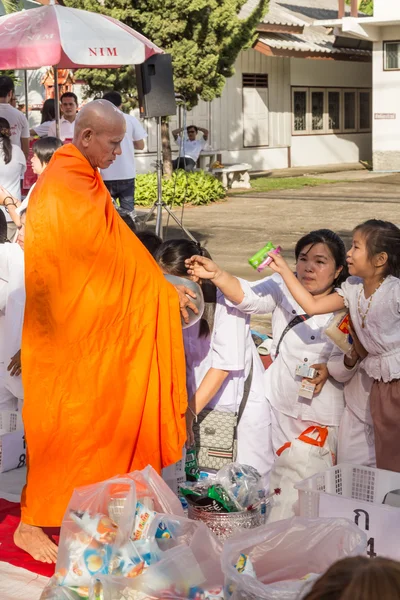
(69,38)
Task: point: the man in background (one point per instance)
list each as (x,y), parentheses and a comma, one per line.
(119,178)
(189,147)
(18,122)
(69,108)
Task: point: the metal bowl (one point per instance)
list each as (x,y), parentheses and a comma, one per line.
(198,301)
(224,525)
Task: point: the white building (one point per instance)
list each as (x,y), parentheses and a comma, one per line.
(301,96)
(383,32)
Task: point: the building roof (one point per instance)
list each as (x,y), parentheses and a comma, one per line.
(303,13)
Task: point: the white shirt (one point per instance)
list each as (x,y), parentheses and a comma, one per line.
(124,165)
(18,123)
(357,385)
(12,307)
(66,129)
(11,174)
(230,348)
(189,148)
(381,335)
(42,130)
(304,343)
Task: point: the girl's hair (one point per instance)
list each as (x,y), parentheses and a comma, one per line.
(171,256)
(382,236)
(5,137)
(358,578)
(3,228)
(45,147)
(48,110)
(150,240)
(335,245)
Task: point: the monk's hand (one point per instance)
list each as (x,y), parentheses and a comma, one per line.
(202,267)
(15,364)
(320,378)
(185,302)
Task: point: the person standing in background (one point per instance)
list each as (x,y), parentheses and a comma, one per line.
(18,122)
(69,107)
(119,178)
(12,169)
(48,117)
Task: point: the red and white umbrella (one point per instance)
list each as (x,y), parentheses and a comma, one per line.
(69,38)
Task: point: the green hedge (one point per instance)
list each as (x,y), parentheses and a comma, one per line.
(195,188)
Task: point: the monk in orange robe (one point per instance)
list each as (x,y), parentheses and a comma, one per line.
(102,352)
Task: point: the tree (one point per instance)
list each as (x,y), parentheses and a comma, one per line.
(365,6)
(204,38)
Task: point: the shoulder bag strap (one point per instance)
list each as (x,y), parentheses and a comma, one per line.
(246,392)
(297,319)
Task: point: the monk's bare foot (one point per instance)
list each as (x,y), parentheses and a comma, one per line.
(36,543)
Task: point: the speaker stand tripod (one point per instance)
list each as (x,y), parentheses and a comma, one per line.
(159,205)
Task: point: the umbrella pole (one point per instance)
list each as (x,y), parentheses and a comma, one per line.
(26,94)
(57,101)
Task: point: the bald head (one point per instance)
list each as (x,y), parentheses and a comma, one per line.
(99,130)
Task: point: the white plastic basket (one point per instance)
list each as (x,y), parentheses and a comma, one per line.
(356,493)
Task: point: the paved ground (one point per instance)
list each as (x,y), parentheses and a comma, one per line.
(234,230)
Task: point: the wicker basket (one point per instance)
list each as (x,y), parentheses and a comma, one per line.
(226,524)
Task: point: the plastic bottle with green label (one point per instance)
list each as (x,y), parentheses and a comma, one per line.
(192,470)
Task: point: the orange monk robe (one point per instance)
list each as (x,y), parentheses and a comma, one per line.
(102,351)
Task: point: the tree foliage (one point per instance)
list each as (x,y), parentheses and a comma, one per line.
(204,38)
(365,6)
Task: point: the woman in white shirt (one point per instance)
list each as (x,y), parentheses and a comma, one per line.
(12,169)
(48,116)
(219,354)
(297,339)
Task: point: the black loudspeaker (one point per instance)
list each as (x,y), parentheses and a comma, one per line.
(155,86)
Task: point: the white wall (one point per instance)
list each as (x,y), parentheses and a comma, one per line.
(385,9)
(330,73)
(309,150)
(386,100)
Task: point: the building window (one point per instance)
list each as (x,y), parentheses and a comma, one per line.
(317,110)
(255,80)
(365,110)
(331,110)
(334,109)
(300,110)
(349,111)
(391,51)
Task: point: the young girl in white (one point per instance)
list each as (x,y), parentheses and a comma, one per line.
(219,354)
(372,296)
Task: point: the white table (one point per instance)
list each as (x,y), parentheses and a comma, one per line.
(234,176)
(204,154)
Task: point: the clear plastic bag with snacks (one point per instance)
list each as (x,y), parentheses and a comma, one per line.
(90,536)
(149,484)
(282,560)
(338,330)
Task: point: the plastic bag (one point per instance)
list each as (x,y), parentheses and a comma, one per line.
(287,556)
(337,330)
(243,483)
(53,591)
(313,451)
(149,484)
(89,537)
